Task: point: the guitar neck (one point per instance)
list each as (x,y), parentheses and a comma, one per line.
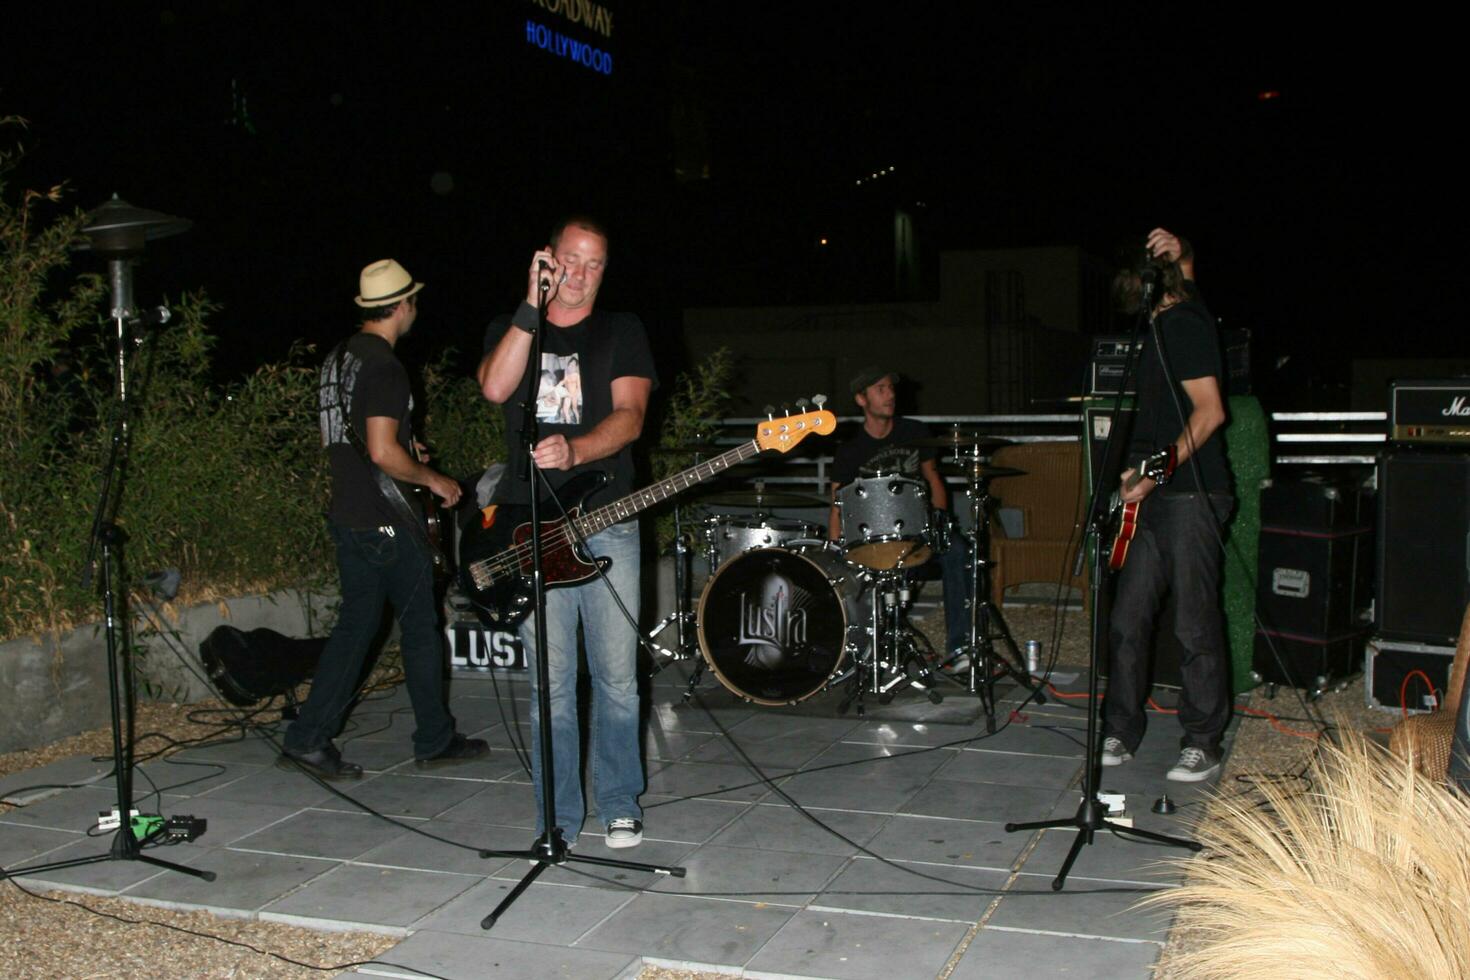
(620,510)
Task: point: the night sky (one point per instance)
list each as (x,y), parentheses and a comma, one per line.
(305,141)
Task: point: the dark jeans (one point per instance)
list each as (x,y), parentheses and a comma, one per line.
(1175,551)
(375,566)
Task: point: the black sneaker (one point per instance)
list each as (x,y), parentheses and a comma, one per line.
(624,832)
(1194,766)
(459,749)
(323,763)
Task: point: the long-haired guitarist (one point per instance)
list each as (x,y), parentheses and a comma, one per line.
(592,390)
(365,408)
(1174,553)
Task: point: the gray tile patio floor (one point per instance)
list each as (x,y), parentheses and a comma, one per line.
(897,860)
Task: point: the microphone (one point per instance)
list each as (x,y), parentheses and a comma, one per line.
(543,267)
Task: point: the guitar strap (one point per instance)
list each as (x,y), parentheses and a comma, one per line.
(387,486)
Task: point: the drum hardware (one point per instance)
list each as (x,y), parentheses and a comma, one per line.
(987,624)
(975,469)
(957,439)
(686,647)
(892,659)
(761,499)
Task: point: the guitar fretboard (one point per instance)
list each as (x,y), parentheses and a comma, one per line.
(620,510)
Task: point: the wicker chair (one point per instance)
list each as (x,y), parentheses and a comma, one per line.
(1428,738)
(1050,499)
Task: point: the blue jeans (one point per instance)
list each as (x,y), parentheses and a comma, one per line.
(375,566)
(612,662)
(1175,553)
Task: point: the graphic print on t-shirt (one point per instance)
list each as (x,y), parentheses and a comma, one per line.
(890,460)
(559,398)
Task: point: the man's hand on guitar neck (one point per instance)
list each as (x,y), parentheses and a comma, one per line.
(444,488)
(1133,487)
(393,459)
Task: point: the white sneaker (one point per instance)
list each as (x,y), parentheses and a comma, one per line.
(624,832)
(1114,752)
(1194,766)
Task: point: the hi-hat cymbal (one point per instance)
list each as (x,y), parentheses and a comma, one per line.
(958,439)
(979,471)
(757,498)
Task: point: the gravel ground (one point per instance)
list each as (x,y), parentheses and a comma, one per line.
(46,939)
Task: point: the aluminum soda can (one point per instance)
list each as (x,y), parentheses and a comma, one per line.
(1033,657)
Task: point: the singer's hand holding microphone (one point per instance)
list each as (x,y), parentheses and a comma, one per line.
(546,275)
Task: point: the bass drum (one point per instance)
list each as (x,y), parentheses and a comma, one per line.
(775,625)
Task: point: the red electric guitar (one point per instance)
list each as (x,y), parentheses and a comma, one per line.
(495,551)
(1125,516)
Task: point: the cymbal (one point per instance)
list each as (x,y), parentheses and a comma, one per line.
(979,471)
(755,498)
(957,439)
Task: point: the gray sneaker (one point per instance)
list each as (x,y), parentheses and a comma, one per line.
(1194,766)
(1114,752)
(624,832)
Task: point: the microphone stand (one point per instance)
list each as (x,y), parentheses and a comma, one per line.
(549,849)
(1090,816)
(117,231)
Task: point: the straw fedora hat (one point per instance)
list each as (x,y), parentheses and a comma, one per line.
(385,282)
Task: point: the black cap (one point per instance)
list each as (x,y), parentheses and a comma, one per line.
(869,376)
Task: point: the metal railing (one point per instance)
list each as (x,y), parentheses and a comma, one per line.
(1328,438)
(807,468)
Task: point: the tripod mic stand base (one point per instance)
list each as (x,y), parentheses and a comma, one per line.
(1092,817)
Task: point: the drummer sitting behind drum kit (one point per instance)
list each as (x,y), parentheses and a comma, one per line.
(890,507)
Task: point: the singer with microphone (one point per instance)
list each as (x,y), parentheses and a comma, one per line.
(1175,553)
(593,385)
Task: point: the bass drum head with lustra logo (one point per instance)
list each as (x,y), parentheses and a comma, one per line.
(773,623)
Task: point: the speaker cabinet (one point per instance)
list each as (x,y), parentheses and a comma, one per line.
(1423,554)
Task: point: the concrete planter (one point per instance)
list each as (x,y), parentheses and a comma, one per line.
(49,692)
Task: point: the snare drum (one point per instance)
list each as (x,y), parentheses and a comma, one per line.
(726,537)
(775,624)
(885,521)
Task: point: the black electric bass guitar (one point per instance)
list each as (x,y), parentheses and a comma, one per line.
(495,551)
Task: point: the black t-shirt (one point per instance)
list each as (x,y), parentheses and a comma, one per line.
(372,382)
(574,394)
(889,454)
(1192,347)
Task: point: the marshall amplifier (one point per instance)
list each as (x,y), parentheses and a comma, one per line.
(1423,545)
(1430,412)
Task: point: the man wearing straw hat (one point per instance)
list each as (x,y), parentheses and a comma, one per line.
(365,407)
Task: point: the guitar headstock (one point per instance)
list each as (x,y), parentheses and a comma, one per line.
(785,432)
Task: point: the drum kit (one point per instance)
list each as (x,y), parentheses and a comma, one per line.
(786,614)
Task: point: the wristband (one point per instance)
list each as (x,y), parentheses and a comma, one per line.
(528,313)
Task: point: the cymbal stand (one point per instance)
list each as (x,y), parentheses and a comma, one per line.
(681,618)
(987,623)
